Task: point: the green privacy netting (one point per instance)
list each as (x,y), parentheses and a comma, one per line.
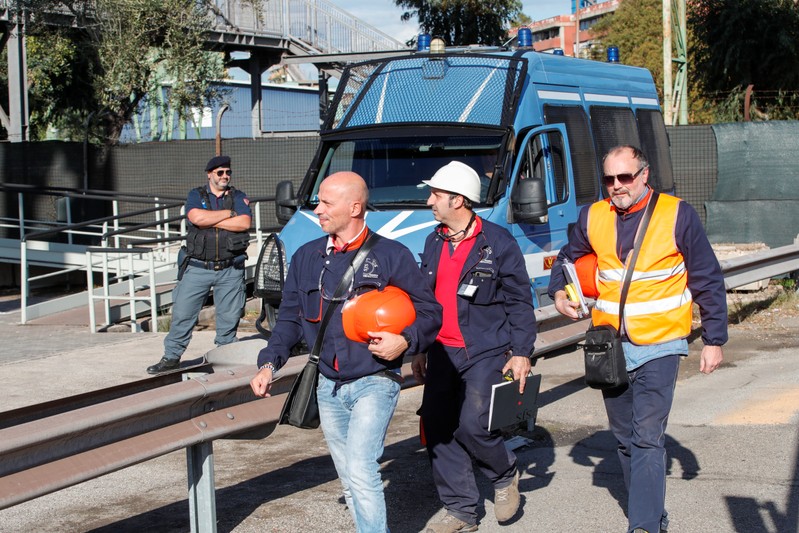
(756,197)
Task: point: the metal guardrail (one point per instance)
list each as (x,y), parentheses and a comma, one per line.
(740,271)
(42,454)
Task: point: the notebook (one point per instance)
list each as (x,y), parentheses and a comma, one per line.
(508,407)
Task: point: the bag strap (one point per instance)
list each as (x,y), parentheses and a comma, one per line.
(628,275)
(363,251)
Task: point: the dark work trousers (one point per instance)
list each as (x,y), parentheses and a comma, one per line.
(455,405)
(638,417)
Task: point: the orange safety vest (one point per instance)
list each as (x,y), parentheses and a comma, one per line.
(659,305)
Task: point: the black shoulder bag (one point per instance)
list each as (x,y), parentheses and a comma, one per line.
(605,366)
(301,409)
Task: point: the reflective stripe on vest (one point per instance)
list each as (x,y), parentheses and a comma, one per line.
(658,307)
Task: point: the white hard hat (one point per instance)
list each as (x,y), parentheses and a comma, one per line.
(458,178)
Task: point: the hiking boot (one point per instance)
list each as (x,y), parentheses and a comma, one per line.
(450,524)
(164,365)
(506,500)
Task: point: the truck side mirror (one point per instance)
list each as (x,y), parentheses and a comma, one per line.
(529,201)
(285,202)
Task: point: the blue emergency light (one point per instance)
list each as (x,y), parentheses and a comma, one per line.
(524,38)
(423,42)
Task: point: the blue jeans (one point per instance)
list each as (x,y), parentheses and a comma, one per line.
(355,420)
(638,415)
(189,296)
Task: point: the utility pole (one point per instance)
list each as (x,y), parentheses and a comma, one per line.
(17,80)
(675,95)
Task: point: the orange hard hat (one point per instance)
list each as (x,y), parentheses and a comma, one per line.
(587,273)
(389,309)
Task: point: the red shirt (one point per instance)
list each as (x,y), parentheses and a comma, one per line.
(448,279)
(354,244)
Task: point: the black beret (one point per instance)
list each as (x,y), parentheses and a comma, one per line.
(216,162)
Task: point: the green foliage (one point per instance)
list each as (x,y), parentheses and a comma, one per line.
(742,42)
(60,69)
(747,42)
(464,22)
(731,44)
(115,53)
(631,28)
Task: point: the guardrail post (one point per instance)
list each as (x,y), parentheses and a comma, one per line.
(90,291)
(202,495)
(69,218)
(258,233)
(153,310)
(21,204)
(23,281)
(134,326)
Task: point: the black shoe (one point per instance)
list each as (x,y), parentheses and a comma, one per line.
(164,365)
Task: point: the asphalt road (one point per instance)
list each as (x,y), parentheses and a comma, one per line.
(732,445)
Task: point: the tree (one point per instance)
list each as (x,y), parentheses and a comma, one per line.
(748,42)
(110,56)
(631,28)
(463,22)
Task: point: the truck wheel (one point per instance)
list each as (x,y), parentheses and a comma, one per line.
(266,321)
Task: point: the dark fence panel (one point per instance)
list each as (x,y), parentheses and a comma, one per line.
(165,169)
(695,164)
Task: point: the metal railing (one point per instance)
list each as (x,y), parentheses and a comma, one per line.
(318,23)
(41,245)
(50,243)
(131,276)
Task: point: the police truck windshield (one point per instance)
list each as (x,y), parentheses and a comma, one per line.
(393,168)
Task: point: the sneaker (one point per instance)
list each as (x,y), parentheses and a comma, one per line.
(450,524)
(164,365)
(506,500)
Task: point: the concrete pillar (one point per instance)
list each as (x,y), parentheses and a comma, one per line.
(255,93)
(17,85)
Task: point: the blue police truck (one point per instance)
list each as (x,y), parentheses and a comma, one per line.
(533,125)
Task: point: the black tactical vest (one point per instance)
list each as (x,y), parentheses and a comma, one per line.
(214,244)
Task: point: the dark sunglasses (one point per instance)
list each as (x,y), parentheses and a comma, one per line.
(221,173)
(625,178)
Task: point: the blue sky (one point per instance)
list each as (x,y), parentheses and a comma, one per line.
(385,15)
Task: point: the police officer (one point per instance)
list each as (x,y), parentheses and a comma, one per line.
(216,245)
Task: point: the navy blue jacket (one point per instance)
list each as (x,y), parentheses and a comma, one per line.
(705,279)
(500,316)
(302,307)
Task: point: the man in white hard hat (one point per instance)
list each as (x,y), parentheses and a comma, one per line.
(477,272)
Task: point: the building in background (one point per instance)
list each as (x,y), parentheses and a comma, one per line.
(560,32)
(285,107)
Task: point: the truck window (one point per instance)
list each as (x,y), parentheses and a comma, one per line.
(544,160)
(655,144)
(613,126)
(583,155)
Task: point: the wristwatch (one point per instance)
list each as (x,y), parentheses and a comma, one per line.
(407,338)
(233,213)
